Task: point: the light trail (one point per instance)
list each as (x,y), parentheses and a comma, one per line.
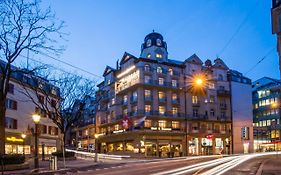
(221,165)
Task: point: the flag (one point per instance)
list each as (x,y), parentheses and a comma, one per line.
(140,122)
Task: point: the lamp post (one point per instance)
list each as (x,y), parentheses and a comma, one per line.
(96,147)
(36,118)
(23,136)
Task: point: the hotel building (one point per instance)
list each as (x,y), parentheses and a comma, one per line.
(20,109)
(266,95)
(155,106)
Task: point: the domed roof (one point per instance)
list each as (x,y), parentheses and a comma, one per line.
(153,36)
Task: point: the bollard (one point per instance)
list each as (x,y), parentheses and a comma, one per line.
(55,163)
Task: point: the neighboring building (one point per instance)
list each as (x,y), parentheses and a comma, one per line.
(19,113)
(152,106)
(82,135)
(266,95)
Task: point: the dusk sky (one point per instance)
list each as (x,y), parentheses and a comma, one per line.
(101,31)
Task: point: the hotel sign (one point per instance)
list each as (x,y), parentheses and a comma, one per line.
(127,81)
(14,139)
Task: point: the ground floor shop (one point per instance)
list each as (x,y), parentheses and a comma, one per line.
(15,144)
(157,144)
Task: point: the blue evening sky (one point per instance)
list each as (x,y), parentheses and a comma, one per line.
(102,30)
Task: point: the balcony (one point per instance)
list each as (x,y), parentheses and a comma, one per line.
(147,98)
(175,102)
(124,103)
(223,106)
(197,117)
(196,104)
(223,93)
(162,100)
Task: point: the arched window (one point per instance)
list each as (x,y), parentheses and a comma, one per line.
(220,77)
(147,67)
(171,72)
(159,70)
(158,42)
(148,55)
(148,42)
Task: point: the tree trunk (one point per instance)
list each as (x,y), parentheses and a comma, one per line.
(2,127)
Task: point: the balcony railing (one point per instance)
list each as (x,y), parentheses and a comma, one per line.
(162,100)
(197,116)
(196,104)
(223,93)
(176,101)
(134,100)
(148,98)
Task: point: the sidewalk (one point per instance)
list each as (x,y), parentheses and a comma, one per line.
(44,166)
(270,166)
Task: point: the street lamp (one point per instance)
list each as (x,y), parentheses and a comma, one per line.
(23,136)
(96,147)
(36,118)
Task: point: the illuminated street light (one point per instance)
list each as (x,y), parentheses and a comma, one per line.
(36,118)
(199,81)
(96,147)
(23,136)
(274,105)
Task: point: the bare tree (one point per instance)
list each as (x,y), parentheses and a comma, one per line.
(60,95)
(24,26)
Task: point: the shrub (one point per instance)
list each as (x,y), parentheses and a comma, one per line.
(10,159)
(66,154)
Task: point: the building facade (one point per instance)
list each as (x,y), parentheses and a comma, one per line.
(20,109)
(266,97)
(155,106)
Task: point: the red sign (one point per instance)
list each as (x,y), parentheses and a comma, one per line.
(126,122)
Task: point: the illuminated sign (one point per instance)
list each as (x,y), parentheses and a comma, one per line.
(13,139)
(127,81)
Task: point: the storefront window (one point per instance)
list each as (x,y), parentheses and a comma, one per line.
(147,123)
(175,124)
(162,123)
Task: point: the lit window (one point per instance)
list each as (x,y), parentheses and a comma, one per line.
(158,55)
(116,127)
(174,83)
(162,110)
(108,82)
(158,42)
(147,108)
(211,86)
(171,72)
(212,112)
(125,98)
(161,95)
(113,101)
(174,97)
(125,111)
(212,99)
(161,81)
(175,124)
(147,123)
(148,43)
(194,99)
(147,93)
(162,123)
(159,70)
(174,110)
(148,55)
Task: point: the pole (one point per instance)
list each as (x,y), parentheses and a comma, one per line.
(96,150)
(23,152)
(43,151)
(36,161)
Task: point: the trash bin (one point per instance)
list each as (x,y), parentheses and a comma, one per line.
(53,163)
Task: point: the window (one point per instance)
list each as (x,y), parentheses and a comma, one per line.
(161,96)
(171,72)
(158,42)
(194,99)
(147,79)
(212,99)
(147,123)
(11,123)
(148,55)
(161,81)
(11,88)
(41,99)
(174,97)
(148,43)
(162,110)
(162,123)
(174,83)
(11,104)
(195,112)
(212,112)
(175,124)
(147,93)
(221,88)
(211,86)
(43,129)
(125,111)
(113,101)
(135,96)
(53,103)
(116,127)
(108,82)
(147,67)
(174,111)
(220,77)
(125,99)
(158,55)
(159,70)
(147,109)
